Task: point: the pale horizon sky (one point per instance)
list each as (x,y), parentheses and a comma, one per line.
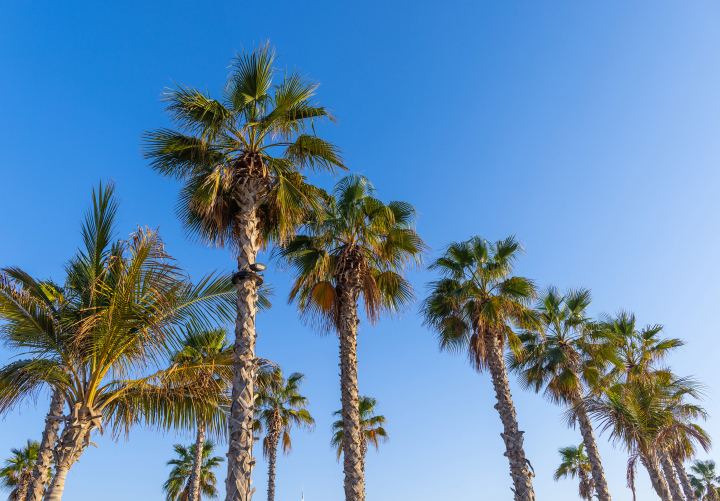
(590,130)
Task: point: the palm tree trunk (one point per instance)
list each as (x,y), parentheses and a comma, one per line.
(41,472)
(586,430)
(586,486)
(240,459)
(73,441)
(348,289)
(684,480)
(194,482)
(670,478)
(273,438)
(519,471)
(363,452)
(656,479)
(20,492)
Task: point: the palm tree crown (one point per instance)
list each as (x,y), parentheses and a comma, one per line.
(176,486)
(371,424)
(259,135)
(15,475)
(355,233)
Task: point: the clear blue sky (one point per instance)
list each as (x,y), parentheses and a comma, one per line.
(588,129)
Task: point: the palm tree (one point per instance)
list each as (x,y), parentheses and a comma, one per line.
(17,473)
(472,308)
(280,407)
(177,486)
(576,463)
(683,449)
(209,347)
(562,357)
(705,480)
(371,426)
(105,347)
(241,160)
(357,246)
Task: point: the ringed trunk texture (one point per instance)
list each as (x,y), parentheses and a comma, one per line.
(348,289)
(194,481)
(684,480)
(74,440)
(273,439)
(20,492)
(519,470)
(671,479)
(656,479)
(586,430)
(41,472)
(240,423)
(363,451)
(586,485)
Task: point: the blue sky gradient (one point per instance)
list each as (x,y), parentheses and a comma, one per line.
(588,129)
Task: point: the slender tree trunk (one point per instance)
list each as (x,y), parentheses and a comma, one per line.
(684,480)
(20,492)
(74,440)
(586,430)
(273,438)
(363,452)
(519,470)
(194,481)
(656,479)
(670,478)
(41,472)
(348,288)
(240,459)
(586,485)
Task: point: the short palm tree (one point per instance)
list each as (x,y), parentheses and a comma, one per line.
(562,357)
(241,160)
(17,472)
(209,347)
(280,407)
(705,480)
(356,247)
(371,426)
(177,486)
(576,464)
(105,348)
(473,308)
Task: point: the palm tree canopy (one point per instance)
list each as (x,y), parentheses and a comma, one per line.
(477,297)
(281,405)
(573,459)
(176,484)
(20,464)
(372,426)
(260,131)
(567,350)
(355,230)
(104,338)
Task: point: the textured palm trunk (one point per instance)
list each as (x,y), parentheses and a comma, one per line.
(586,485)
(670,478)
(684,480)
(656,479)
(194,482)
(240,423)
(348,288)
(74,440)
(41,472)
(20,492)
(363,451)
(519,470)
(586,430)
(273,439)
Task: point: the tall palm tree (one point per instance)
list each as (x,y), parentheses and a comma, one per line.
(705,480)
(241,159)
(357,247)
(576,463)
(16,475)
(177,486)
(209,347)
(106,347)
(684,448)
(280,407)
(562,357)
(473,308)
(371,426)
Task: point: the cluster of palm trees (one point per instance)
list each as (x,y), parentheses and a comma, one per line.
(129,339)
